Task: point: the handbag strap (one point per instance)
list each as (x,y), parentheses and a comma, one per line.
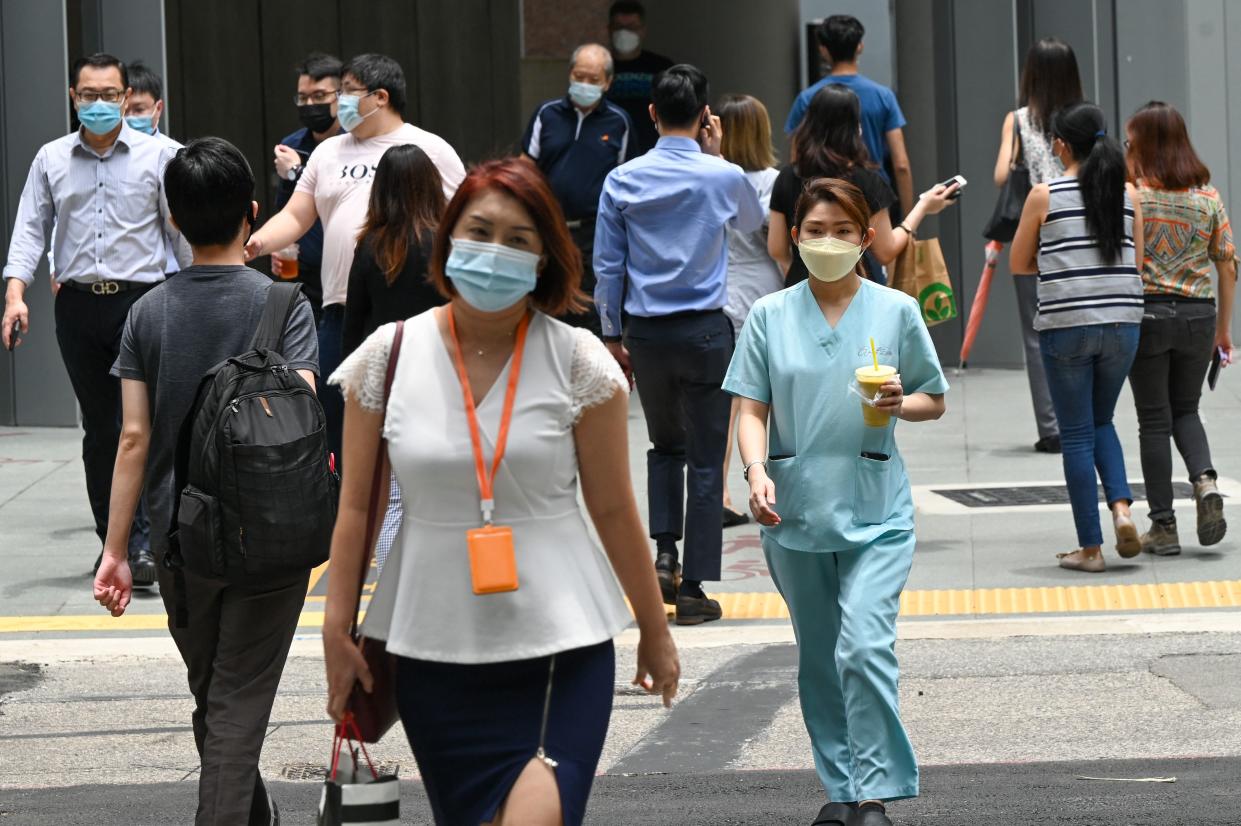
(1017,146)
(372,509)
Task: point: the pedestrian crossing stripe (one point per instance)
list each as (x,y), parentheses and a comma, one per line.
(766,605)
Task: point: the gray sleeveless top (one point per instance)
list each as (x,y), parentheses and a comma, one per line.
(1076,286)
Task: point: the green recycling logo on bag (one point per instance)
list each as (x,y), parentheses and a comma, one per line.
(937,302)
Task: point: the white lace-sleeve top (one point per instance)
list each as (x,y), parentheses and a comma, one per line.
(424,605)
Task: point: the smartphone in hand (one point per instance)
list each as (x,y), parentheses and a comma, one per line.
(960,181)
(1217,361)
(15,336)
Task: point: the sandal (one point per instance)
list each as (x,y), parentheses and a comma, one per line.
(871,815)
(1078,561)
(834,814)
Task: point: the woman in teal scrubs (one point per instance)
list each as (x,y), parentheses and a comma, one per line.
(831,492)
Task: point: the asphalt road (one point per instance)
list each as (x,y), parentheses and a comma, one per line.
(1034,794)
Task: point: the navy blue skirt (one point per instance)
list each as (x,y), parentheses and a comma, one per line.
(473,728)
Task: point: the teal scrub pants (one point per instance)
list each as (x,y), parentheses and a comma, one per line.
(844,608)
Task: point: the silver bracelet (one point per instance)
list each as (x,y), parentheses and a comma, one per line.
(745,472)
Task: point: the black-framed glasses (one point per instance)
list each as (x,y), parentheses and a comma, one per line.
(319,97)
(107,96)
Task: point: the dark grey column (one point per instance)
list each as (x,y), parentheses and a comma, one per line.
(34,389)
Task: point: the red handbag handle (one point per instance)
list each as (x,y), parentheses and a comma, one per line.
(341,737)
(372,510)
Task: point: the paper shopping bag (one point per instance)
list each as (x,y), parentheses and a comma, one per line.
(354,792)
(920,271)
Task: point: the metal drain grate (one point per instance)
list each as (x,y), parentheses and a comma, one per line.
(1038,495)
(318,772)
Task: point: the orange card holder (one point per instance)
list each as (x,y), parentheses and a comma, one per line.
(493,560)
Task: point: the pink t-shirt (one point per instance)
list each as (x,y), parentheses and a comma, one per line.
(339,175)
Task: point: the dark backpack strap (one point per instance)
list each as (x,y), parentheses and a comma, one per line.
(276,311)
(378,483)
(180,475)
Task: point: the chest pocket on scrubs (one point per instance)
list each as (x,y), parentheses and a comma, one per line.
(875,480)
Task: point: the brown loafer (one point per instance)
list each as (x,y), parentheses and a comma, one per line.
(1079,561)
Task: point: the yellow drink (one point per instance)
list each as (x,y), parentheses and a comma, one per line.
(869,380)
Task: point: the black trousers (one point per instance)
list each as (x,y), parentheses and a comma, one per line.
(584,240)
(88,330)
(234,648)
(1174,354)
(679,364)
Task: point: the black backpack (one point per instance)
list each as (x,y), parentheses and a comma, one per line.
(255,493)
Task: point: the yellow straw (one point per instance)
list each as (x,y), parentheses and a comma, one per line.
(874,355)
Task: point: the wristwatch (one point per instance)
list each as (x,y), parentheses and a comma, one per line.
(745,471)
(294,173)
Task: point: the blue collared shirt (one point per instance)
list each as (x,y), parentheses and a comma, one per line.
(660,240)
(108,211)
(880,114)
(576,150)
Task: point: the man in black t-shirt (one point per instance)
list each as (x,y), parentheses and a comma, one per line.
(635,70)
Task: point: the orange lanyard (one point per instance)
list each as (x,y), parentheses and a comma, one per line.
(486,481)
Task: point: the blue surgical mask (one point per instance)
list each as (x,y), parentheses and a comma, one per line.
(491,277)
(143,123)
(585,94)
(100,117)
(347,111)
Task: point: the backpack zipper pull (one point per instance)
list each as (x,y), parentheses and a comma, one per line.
(233,406)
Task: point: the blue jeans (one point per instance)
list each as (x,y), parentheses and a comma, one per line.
(1086,368)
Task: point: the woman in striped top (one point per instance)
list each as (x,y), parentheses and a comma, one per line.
(1079,232)
(1187,231)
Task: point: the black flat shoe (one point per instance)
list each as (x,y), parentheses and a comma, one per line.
(834,814)
(668,572)
(1048,444)
(732,518)
(142,566)
(697,610)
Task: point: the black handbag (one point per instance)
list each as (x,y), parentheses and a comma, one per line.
(1007,214)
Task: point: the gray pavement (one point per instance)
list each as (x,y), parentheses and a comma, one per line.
(1005,712)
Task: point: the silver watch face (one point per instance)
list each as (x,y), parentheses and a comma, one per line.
(292,176)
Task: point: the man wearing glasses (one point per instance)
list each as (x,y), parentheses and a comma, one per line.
(97,193)
(335,186)
(318,82)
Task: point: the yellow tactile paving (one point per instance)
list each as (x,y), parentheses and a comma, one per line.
(763,605)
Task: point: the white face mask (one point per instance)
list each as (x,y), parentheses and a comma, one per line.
(626,41)
(829,259)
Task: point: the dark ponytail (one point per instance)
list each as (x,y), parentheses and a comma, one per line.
(1101,173)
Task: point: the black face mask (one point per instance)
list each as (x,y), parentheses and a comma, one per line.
(317,117)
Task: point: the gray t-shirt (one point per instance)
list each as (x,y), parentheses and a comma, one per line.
(174,335)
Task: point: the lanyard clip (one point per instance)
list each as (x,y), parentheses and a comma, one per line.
(488,505)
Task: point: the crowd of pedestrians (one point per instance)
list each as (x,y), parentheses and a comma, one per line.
(469,341)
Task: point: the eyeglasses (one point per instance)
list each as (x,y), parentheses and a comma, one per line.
(362,93)
(1127,143)
(110,96)
(319,97)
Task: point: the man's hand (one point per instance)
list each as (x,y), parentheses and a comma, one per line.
(114,583)
(712,135)
(15,312)
(621,355)
(254,247)
(285,160)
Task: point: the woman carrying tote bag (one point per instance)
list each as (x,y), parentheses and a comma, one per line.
(1049,81)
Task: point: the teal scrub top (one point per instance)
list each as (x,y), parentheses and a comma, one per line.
(830,497)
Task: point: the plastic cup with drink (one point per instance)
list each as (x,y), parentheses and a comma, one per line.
(284,262)
(870,380)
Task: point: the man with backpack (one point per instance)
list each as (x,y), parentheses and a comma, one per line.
(233,594)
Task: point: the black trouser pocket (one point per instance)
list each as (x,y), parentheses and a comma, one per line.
(201,531)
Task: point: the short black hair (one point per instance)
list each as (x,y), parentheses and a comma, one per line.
(99,60)
(210,187)
(377,71)
(320,65)
(679,94)
(841,34)
(143,80)
(627,7)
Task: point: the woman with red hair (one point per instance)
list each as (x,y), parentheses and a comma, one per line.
(497,604)
(1187,232)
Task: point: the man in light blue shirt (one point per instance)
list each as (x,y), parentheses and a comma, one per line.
(98,193)
(661,262)
(840,42)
